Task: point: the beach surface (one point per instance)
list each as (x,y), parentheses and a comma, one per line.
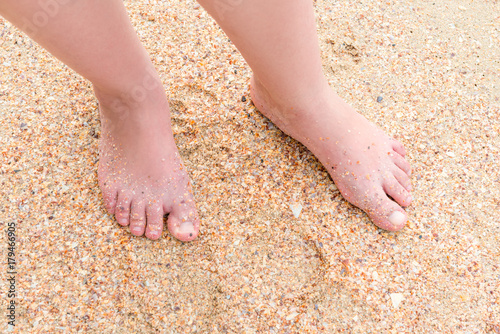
(280,250)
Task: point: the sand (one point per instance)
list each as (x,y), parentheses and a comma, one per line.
(280,251)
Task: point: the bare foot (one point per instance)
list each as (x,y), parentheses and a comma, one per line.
(367,166)
(141,174)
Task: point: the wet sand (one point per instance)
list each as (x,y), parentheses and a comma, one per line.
(426,72)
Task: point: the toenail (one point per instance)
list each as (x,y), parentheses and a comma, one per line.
(186,227)
(136,229)
(124,221)
(397,218)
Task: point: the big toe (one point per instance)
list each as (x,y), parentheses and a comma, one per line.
(385,213)
(183,222)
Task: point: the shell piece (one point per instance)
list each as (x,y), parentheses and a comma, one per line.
(396,299)
(296,209)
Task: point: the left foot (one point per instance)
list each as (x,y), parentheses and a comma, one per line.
(367,166)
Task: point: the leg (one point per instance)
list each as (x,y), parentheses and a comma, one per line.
(140,171)
(278,40)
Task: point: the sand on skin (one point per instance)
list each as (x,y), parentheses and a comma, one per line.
(256,268)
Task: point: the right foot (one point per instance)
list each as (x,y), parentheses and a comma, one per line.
(367,166)
(141,174)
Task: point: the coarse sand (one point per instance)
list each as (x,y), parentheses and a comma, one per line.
(280,251)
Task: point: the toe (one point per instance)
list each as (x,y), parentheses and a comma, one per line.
(394,189)
(110,198)
(385,213)
(154,227)
(122,208)
(398,147)
(183,222)
(403,179)
(402,163)
(138,218)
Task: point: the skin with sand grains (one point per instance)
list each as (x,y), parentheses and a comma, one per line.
(141,174)
(367,166)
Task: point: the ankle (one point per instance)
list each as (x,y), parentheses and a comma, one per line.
(296,107)
(140,97)
(130,90)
